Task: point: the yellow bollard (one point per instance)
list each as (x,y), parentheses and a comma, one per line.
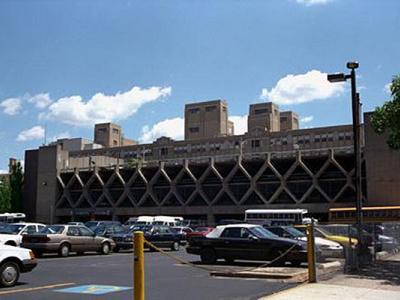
(312,272)
(138,242)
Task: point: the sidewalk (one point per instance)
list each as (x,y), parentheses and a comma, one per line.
(324,291)
(380,281)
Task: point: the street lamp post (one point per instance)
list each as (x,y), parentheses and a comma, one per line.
(356,109)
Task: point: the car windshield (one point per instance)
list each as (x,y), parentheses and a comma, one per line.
(323,231)
(52,229)
(261,232)
(91,224)
(11,229)
(294,232)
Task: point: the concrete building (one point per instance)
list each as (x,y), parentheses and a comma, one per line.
(110,135)
(264,117)
(207,120)
(212,177)
(289,121)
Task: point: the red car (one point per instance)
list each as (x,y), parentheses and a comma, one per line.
(199,231)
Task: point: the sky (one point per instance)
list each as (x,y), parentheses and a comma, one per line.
(66,65)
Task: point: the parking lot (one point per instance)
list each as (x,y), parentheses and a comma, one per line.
(165,279)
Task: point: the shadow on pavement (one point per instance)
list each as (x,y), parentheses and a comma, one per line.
(387,270)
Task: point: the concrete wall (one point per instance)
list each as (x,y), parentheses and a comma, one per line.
(30,183)
(383,168)
(48,160)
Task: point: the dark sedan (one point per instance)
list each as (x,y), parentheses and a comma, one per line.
(247,242)
(159,235)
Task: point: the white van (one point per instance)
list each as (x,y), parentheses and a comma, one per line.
(167,220)
(144,220)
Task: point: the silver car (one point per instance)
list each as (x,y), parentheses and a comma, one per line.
(63,239)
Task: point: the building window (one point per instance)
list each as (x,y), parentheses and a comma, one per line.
(261,111)
(255,143)
(194,129)
(194,110)
(164,151)
(115,131)
(115,142)
(283,119)
(103,130)
(211,108)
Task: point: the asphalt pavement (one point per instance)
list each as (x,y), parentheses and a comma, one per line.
(86,275)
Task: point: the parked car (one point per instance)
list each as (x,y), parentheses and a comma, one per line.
(246,242)
(124,240)
(108,229)
(93,224)
(345,241)
(63,239)
(182,231)
(328,248)
(161,236)
(14,261)
(11,234)
(199,231)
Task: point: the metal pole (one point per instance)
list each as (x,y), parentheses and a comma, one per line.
(312,272)
(138,242)
(355,99)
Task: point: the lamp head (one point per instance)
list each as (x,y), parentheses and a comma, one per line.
(337,77)
(352,65)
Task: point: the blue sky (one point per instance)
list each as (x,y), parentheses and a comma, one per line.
(67,64)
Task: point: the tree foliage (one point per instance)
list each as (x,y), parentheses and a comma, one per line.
(386,119)
(16,187)
(5,197)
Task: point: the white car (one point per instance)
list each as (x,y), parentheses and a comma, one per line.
(14,261)
(11,234)
(328,248)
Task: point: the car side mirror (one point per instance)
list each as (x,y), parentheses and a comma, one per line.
(253,238)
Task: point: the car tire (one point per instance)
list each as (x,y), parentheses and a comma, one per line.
(175,246)
(9,274)
(116,249)
(105,248)
(64,250)
(80,253)
(208,256)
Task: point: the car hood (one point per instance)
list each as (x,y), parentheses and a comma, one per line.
(8,248)
(323,242)
(9,237)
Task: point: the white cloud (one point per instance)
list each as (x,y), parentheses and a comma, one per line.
(386,88)
(100,108)
(307,119)
(34,133)
(61,135)
(39,100)
(240,124)
(313,2)
(173,128)
(302,88)
(11,106)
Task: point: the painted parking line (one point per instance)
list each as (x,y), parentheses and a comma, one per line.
(94,289)
(38,288)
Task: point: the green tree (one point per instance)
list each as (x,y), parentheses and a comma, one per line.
(387,117)
(16,187)
(5,196)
